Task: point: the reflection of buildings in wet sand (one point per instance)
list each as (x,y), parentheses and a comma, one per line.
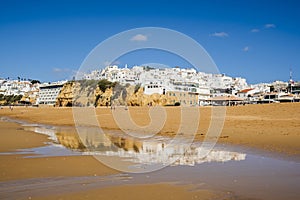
(51,133)
(147,151)
(213,156)
(182,154)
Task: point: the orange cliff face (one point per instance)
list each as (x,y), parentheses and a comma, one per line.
(141,99)
(91,95)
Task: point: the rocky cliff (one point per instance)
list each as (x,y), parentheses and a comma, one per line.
(28,98)
(78,93)
(65,97)
(91,93)
(141,99)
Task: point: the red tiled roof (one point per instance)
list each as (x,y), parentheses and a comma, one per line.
(245,90)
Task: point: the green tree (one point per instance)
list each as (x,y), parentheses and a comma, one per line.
(137,87)
(35,81)
(104,84)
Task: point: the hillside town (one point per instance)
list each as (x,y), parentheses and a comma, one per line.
(186,87)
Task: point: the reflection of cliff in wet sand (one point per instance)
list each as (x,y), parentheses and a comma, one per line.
(98,142)
(155,150)
(70,140)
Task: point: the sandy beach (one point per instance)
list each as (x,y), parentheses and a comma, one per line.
(17,167)
(269,127)
(151,191)
(272,127)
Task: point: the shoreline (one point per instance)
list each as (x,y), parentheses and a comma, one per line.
(270,127)
(233,147)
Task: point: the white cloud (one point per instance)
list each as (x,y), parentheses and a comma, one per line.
(60,70)
(255,30)
(139,37)
(266,26)
(246,48)
(63,73)
(270,26)
(219,34)
(56,70)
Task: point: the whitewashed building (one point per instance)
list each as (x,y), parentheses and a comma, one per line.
(177,80)
(48,93)
(14,87)
(247,93)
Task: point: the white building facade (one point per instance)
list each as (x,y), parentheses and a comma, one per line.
(15,87)
(48,93)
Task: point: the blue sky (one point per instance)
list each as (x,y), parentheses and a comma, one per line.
(48,40)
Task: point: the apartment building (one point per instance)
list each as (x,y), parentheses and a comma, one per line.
(48,93)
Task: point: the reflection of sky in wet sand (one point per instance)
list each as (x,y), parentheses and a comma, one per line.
(157,150)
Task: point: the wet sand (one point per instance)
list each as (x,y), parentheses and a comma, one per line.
(17,167)
(14,137)
(273,127)
(131,192)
